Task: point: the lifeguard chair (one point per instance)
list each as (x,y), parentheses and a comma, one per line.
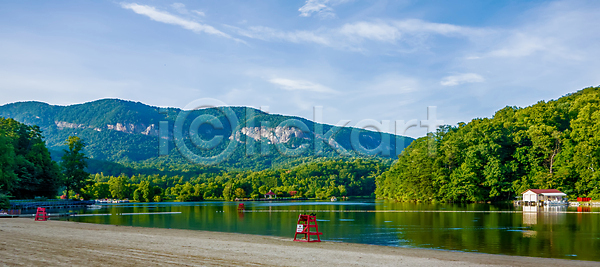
(307,227)
(41,214)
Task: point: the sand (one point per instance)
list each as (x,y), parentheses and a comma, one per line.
(29,243)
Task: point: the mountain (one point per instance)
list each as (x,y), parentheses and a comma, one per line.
(124,136)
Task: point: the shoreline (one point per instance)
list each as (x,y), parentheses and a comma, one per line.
(27,242)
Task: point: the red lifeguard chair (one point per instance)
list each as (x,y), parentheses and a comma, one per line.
(41,214)
(306,227)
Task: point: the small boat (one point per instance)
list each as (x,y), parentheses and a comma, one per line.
(333,198)
(556,203)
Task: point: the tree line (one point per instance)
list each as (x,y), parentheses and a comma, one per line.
(313,180)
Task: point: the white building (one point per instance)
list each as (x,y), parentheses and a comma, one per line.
(544,197)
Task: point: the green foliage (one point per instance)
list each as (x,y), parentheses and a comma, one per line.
(240,193)
(26,168)
(4,201)
(97,190)
(188,192)
(553,144)
(73,164)
(7,163)
(147,193)
(323,179)
(119,187)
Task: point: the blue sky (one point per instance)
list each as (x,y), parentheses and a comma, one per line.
(380,60)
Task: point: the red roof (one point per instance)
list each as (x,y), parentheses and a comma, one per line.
(270,193)
(541,191)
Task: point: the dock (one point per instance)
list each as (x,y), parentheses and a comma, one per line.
(32,215)
(55,204)
(74,214)
(272,199)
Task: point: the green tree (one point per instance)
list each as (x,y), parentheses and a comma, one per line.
(240,193)
(73,165)
(4,201)
(7,164)
(26,168)
(97,190)
(119,186)
(263,189)
(228,191)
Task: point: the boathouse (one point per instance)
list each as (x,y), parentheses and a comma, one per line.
(543,197)
(270,194)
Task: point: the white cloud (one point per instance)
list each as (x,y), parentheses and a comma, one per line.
(300,85)
(179,7)
(391,31)
(520,45)
(165,17)
(321,8)
(270,34)
(559,30)
(416,25)
(198,12)
(412,33)
(314,6)
(461,78)
(372,31)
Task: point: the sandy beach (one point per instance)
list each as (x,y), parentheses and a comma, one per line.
(26,242)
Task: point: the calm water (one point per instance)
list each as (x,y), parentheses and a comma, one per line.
(540,233)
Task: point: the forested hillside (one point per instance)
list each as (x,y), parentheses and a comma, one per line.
(123,136)
(553,144)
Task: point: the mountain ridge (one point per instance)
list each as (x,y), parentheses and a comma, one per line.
(126,131)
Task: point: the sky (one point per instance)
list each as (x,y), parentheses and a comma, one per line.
(359,60)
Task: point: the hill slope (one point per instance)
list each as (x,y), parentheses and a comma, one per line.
(129,133)
(553,144)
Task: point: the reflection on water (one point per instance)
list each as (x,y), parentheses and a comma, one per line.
(549,214)
(530,215)
(529,233)
(501,229)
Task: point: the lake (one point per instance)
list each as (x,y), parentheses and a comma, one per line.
(499,229)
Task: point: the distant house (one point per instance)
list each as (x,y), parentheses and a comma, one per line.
(270,194)
(543,197)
